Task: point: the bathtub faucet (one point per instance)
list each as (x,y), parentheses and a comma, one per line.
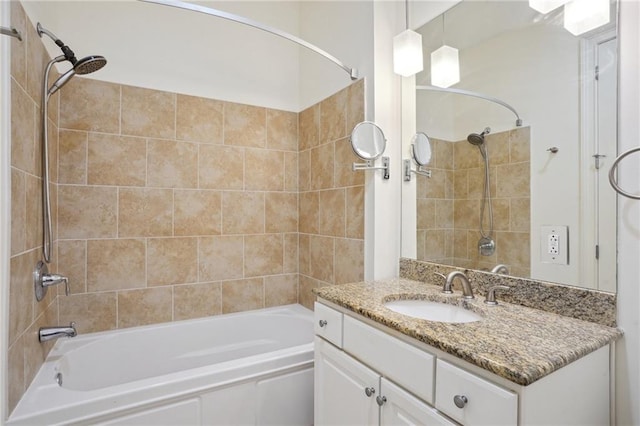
(50,333)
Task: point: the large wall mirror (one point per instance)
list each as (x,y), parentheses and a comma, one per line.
(548,208)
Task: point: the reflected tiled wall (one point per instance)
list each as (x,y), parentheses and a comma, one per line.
(449,203)
(28,60)
(168,207)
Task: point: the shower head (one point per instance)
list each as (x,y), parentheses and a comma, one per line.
(477,139)
(89,64)
(83,66)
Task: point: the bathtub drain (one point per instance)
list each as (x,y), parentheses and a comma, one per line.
(59,379)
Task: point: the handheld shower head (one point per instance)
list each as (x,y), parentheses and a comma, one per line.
(89,64)
(478,139)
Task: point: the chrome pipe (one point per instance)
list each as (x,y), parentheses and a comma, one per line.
(475,95)
(353,73)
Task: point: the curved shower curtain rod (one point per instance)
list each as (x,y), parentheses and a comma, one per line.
(353,73)
(475,95)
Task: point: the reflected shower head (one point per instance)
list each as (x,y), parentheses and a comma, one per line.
(478,139)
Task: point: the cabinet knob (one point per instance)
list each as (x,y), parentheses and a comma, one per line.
(381,400)
(369,391)
(322,323)
(460,401)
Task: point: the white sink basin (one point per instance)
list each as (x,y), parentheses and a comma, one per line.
(432,311)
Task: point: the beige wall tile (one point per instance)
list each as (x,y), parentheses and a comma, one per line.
(501,214)
(115,264)
(172,261)
(18,212)
(87,104)
(196,301)
(244,125)
(520,218)
(282,130)
(242,295)
(19,48)
(309,212)
(444,214)
(199,119)
(305,294)
(434,244)
(290,262)
(460,244)
(37,58)
(435,186)
(280,290)
(197,212)
(321,258)
(355,105)
(309,127)
(116,160)
(263,170)
(281,212)
(142,307)
(332,212)
(333,117)
(420,244)
(242,213)
(220,167)
(349,260)
(466,156)
(72,255)
(343,167)
(34,351)
(426,213)
(34,211)
(512,180)
(291,171)
(87,212)
(460,184)
(15,383)
(466,214)
(72,162)
(513,248)
(442,154)
(91,312)
(21,293)
(149,113)
(355,212)
(304,254)
(476,182)
(220,258)
(263,255)
(498,147)
(304,171)
(172,164)
(519,145)
(145,212)
(322,167)
(23,130)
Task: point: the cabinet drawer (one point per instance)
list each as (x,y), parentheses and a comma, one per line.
(328,324)
(486,403)
(406,365)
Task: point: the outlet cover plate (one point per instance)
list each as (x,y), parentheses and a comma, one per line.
(554,244)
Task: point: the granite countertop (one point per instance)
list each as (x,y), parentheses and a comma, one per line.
(515,342)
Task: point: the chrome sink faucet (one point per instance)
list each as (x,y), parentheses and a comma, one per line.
(467,291)
(50,333)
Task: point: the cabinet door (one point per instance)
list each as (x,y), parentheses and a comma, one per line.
(401,408)
(340,386)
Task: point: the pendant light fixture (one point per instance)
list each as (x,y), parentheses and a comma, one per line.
(407,50)
(445,65)
(581,16)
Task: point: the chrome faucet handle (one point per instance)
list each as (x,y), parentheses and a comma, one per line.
(53,279)
(491,294)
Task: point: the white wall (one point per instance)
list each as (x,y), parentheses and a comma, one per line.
(628,349)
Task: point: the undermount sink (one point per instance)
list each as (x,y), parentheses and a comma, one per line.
(432,311)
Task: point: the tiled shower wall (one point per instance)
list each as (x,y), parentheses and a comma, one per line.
(172,206)
(449,203)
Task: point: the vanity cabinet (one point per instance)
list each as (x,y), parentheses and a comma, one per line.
(366,374)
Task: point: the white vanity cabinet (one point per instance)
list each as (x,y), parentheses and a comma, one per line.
(366,374)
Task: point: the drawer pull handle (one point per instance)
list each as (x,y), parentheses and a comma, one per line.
(460,401)
(369,391)
(381,400)
(322,323)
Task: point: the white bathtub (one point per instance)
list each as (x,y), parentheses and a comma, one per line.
(238,369)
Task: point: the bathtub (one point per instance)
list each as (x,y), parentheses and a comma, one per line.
(246,368)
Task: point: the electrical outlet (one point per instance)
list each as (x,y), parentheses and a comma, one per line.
(554,244)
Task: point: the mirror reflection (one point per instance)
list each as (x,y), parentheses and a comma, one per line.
(368,141)
(421,149)
(533,198)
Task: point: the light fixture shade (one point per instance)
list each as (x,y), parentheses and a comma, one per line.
(407,53)
(581,16)
(445,67)
(546,6)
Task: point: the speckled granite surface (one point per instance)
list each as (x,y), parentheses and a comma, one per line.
(575,302)
(512,341)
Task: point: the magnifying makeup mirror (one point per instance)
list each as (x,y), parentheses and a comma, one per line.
(368,141)
(421,148)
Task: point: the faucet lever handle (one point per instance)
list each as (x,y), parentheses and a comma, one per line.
(491,294)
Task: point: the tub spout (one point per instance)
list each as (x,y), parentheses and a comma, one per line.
(50,333)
